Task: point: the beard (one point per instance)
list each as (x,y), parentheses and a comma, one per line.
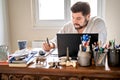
(78,26)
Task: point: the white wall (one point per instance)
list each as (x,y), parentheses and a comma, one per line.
(21,24)
(21,27)
(4,37)
(1,24)
(113,19)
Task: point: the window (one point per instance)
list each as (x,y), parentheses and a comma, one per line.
(50,11)
(55,13)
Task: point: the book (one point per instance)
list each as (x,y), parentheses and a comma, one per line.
(17,65)
(4,63)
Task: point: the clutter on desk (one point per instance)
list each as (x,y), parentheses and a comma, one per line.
(66,61)
(55,65)
(107,55)
(40,61)
(21,58)
(111,50)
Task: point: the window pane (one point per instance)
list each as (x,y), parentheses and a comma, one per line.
(51,9)
(93,5)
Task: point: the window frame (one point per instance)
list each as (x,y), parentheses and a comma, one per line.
(56,24)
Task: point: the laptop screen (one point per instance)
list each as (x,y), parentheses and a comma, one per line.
(72,41)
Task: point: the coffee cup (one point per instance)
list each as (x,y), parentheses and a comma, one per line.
(22,44)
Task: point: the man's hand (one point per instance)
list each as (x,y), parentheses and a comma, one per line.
(47,47)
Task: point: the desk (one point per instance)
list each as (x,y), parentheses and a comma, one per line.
(66,73)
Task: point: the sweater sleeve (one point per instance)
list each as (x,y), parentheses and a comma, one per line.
(101,29)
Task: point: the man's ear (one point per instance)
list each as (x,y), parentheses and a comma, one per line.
(88,16)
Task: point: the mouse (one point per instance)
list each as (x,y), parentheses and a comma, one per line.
(41,53)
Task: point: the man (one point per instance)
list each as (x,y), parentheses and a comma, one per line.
(81,23)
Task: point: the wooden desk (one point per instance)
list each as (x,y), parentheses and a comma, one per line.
(66,73)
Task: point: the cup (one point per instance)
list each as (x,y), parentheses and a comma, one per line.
(84,58)
(99,58)
(22,44)
(113,57)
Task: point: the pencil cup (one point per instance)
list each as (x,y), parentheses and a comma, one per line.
(99,58)
(22,44)
(114,57)
(84,58)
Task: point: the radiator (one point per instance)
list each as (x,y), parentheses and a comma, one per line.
(37,43)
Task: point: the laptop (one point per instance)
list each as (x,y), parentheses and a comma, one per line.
(72,42)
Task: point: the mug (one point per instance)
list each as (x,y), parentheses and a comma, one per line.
(22,44)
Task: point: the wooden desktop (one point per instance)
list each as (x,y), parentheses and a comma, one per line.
(65,73)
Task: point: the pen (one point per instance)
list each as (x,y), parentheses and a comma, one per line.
(48,42)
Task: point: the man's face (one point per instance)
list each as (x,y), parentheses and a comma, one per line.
(79,20)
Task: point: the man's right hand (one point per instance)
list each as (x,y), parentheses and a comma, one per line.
(48,47)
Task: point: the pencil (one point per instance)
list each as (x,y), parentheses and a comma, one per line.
(48,42)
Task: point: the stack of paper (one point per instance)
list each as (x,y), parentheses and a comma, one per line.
(22,59)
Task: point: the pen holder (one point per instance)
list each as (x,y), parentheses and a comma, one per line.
(99,58)
(114,57)
(84,58)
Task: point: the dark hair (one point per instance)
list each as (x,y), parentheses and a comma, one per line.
(83,7)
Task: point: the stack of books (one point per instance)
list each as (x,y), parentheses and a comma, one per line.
(22,59)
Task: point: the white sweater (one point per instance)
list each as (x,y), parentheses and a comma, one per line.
(95,25)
